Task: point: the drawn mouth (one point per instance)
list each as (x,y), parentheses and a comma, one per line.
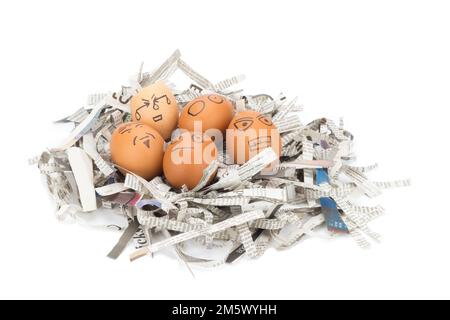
(260,143)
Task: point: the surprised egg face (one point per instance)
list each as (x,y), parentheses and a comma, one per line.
(137,148)
(208,112)
(156,106)
(249,133)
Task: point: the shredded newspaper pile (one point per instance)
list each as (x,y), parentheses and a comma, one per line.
(242,211)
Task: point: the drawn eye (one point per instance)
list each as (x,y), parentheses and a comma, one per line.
(195,108)
(215,98)
(243,124)
(265,120)
(155,103)
(145,139)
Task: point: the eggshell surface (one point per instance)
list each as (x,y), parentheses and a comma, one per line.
(250,132)
(186,158)
(212,111)
(156,106)
(137,148)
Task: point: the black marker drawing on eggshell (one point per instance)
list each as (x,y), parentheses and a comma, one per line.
(145,139)
(156,101)
(196,108)
(264,120)
(155,106)
(215,98)
(243,123)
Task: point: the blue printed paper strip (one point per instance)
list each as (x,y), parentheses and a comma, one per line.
(329,208)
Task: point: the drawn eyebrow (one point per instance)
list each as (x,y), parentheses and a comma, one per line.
(134,140)
(138,125)
(146,136)
(156,101)
(125,130)
(245,118)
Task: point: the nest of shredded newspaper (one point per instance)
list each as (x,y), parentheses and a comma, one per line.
(241,212)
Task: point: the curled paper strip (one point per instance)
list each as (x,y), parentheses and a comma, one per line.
(241,209)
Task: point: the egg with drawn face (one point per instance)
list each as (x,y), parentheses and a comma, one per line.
(156,106)
(137,148)
(249,133)
(187,157)
(211,111)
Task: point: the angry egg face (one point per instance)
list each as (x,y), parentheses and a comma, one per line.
(156,106)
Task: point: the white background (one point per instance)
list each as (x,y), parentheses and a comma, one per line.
(382,65)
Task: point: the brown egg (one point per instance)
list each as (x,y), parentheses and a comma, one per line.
(156,106)
(212,111)
(138,148)
(249,133)
(186,157)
